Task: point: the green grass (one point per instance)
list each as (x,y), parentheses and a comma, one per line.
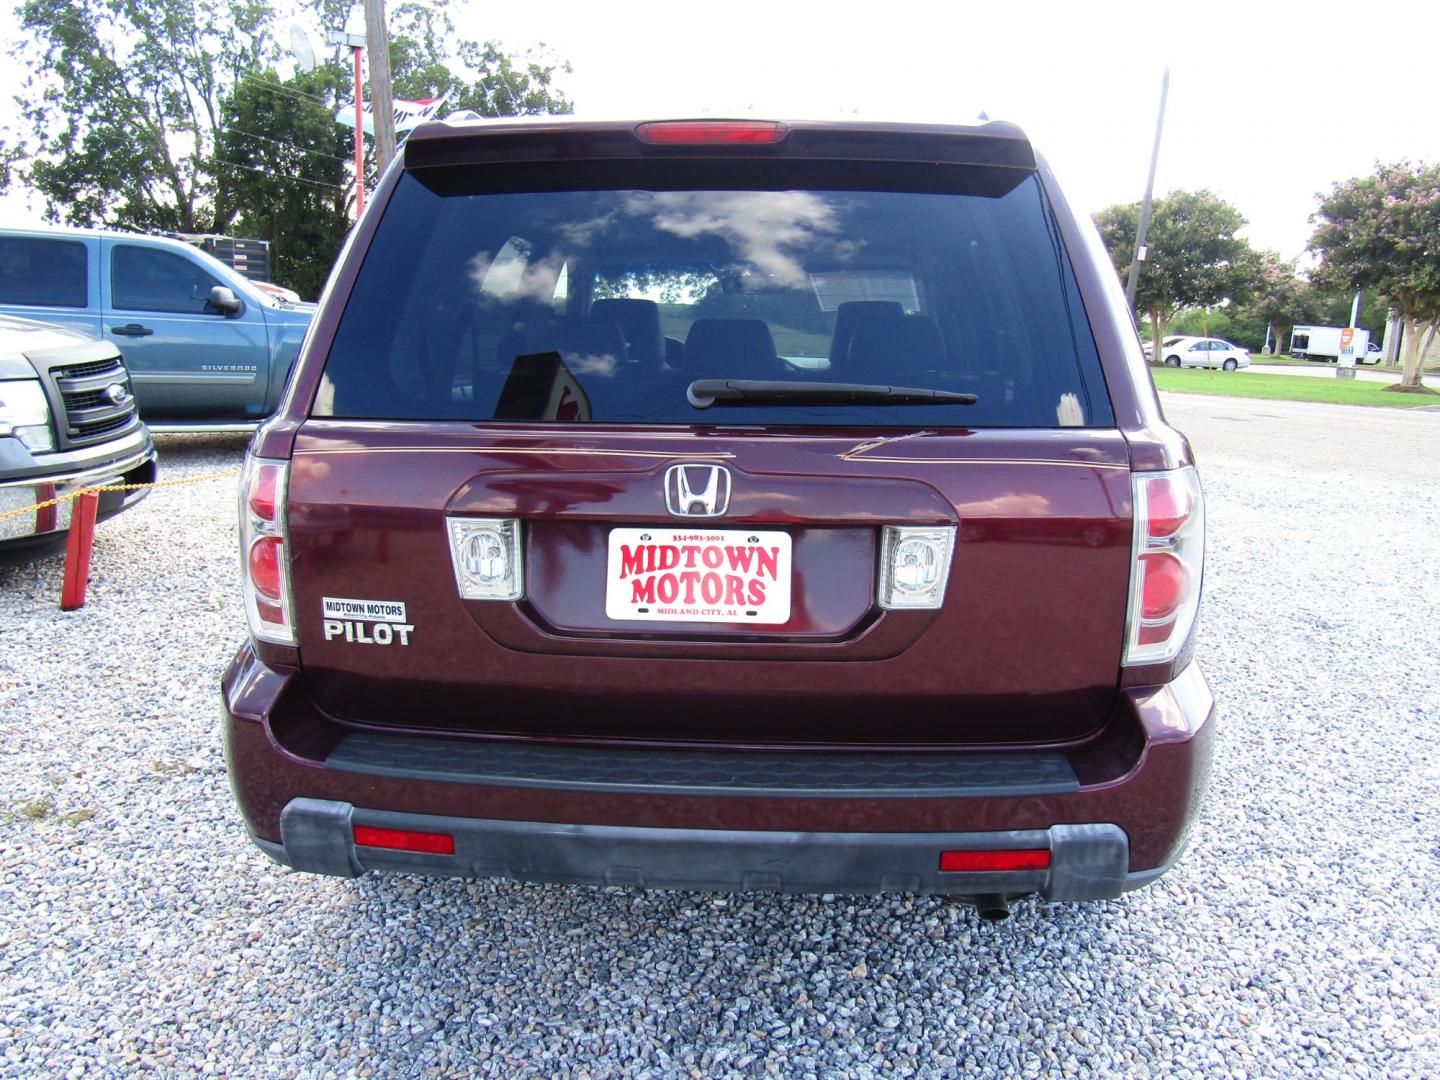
(1285,387)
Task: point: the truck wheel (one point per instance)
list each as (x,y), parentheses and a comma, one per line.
(1230,365)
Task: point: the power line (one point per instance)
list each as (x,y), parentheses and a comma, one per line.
(281,88)
(288,146)
(282,176)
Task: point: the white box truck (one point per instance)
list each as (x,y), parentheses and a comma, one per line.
(1323,343)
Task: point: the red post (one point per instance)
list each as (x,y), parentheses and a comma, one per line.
(47,518)
(359,142)
(77,551)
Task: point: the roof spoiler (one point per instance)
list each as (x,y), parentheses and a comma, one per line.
(521,140)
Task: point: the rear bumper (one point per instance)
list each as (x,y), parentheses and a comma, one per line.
(1113,815)
(1087,862)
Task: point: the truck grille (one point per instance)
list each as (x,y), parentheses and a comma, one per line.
(90,367)
(87,414)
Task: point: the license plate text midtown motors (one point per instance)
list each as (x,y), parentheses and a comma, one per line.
(728,575)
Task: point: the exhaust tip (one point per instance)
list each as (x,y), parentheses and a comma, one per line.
(992,909)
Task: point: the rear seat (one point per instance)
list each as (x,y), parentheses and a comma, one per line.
(639,322)
(587,344)
(887,346)
(731,349)
(848,318)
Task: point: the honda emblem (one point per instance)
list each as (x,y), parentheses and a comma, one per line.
(697,490)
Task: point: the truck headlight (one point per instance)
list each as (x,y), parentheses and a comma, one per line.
(25,414)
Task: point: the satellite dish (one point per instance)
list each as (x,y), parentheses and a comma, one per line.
(301,50)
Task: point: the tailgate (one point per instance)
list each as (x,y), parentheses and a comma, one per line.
(1026,647)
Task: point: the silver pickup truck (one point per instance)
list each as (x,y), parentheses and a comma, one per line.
(67,420)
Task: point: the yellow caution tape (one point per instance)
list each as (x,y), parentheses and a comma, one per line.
(114,487)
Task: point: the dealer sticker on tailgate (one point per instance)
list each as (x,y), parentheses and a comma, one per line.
(699,575)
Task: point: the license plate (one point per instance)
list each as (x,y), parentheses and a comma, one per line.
(699,575)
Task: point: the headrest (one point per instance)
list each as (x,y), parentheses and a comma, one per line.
(730,349)
(850,314)
(639,321)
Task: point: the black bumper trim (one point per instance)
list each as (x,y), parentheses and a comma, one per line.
(1088,861)
(805,774)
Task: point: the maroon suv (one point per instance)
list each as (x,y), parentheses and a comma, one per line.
(723,505)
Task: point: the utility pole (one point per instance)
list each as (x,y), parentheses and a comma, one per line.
(378,42)
(1144,227)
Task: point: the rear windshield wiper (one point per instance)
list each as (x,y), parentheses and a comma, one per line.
(702,393)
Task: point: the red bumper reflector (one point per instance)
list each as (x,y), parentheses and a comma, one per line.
(430,843)
(703,132)
(959,861)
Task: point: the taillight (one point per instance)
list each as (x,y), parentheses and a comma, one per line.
(710,132)
(1169,556)
(265,567)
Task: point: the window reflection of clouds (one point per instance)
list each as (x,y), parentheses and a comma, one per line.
(534,280)
(772,231)
(759,226)
(587,364)
(580,233)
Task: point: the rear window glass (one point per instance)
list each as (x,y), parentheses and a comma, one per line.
(607,305)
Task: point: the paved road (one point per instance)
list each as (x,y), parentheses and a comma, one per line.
(1299,937)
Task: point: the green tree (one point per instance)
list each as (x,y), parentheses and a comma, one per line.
(1275,301)
(289,168)
(1193,257)
(125,96)
(1382,232)
(166,115)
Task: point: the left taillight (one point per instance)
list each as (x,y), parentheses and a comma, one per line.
(1167,565)
(265,566)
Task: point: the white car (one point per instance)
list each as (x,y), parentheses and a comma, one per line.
(1204,352)
(1149,346)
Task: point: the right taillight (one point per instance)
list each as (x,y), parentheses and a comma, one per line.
(1165,572)
(264,565)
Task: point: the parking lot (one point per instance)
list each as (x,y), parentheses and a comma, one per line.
(1299,936)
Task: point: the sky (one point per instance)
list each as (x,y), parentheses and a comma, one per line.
(1269,103)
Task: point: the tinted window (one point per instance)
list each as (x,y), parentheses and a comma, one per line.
(45,273)
(144,279)
(605,305)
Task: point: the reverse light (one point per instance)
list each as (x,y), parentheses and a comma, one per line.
(486,556)
(428,843)
(1010,859)
(710,132)
(914,566)
(1167,560)
(263,556)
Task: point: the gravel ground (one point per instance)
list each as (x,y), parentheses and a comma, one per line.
(1298,937)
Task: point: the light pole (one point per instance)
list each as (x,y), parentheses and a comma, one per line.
(355,43)
(1144,223)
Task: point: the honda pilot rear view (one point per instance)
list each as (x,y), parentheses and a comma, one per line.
(723,505)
